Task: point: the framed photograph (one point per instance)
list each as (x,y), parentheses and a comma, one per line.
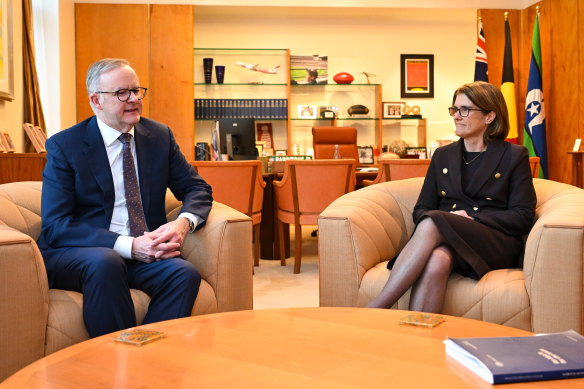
(264,134)
(415,152)
(307,111)
(36,136)
(6,63)
(393,110)
(6,142)
(260,146)
(280,153)
(365,154)
(308,69)
(417,75)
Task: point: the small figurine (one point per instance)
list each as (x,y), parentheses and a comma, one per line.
(367,75)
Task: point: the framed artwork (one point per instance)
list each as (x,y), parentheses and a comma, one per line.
(280,153)
(308,69)
(416,152)
(417,75)
(365,154)
(393,110)
(6,142)
(264,134)
(307,111)
(6,63)
(36,136)
(260,146)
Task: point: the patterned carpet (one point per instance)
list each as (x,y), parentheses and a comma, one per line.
(276,286)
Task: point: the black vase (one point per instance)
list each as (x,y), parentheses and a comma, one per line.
(208,67)
(220,73)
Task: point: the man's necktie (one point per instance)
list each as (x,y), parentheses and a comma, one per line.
(133,201)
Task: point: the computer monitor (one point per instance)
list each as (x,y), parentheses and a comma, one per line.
(237,138)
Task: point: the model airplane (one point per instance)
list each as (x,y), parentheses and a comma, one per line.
(258,68)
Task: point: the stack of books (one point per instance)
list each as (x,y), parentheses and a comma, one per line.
(241,108)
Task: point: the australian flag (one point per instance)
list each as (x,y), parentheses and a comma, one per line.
(481,66)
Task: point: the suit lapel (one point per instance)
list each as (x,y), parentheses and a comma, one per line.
(96,157)
(144,155)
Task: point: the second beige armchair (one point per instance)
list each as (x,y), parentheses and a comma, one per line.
(361,230)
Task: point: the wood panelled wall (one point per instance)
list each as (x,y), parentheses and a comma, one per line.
(158,42)
(562,46)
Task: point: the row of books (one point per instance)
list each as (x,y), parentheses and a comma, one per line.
(241,108)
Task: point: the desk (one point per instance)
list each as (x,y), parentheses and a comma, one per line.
(284,348)
(577,168)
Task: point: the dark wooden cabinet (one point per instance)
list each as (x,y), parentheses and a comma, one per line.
(21,167)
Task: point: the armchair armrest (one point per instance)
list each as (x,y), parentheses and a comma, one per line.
(358,231)
(222,252)
(24,301)
(554,258)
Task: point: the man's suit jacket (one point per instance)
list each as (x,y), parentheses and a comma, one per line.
(500,195)
(78,191)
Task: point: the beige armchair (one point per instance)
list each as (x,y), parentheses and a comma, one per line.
(36,321)
(361,230)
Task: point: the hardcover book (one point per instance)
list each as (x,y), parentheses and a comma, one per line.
(501,360)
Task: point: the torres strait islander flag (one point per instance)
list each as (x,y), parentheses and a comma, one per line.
(508,85)
(481,66)
(534,134)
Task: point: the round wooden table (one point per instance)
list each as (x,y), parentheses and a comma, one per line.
(283,348)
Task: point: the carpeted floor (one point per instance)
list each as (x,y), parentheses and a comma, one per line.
(276,286)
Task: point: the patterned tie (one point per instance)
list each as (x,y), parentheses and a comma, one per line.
(133,201)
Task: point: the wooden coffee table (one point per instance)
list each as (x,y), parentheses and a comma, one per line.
(283,348)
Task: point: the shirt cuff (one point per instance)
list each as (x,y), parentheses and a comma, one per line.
(123,246)
(192,217)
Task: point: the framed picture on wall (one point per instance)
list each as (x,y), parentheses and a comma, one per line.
(6,64)
(393,110)
(417,75)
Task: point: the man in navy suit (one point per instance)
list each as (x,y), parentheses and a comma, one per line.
(85,238)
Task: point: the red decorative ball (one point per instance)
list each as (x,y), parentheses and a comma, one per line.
(343,78)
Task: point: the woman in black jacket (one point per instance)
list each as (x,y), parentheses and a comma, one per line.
(476,203)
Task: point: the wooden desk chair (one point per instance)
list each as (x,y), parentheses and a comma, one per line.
(238,184)
(399,169)
(306,189)
(534,162)
(324,140)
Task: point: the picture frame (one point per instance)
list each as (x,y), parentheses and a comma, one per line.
(260,146)
(6,60)
(393,109)
(6,142)
(307,111)
(365,155)
(280,153)
(416,152)
(308,69)
(265,134)
(417,75)
(36,136)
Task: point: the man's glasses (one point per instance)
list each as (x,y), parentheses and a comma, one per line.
(463,111)
(124,94)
